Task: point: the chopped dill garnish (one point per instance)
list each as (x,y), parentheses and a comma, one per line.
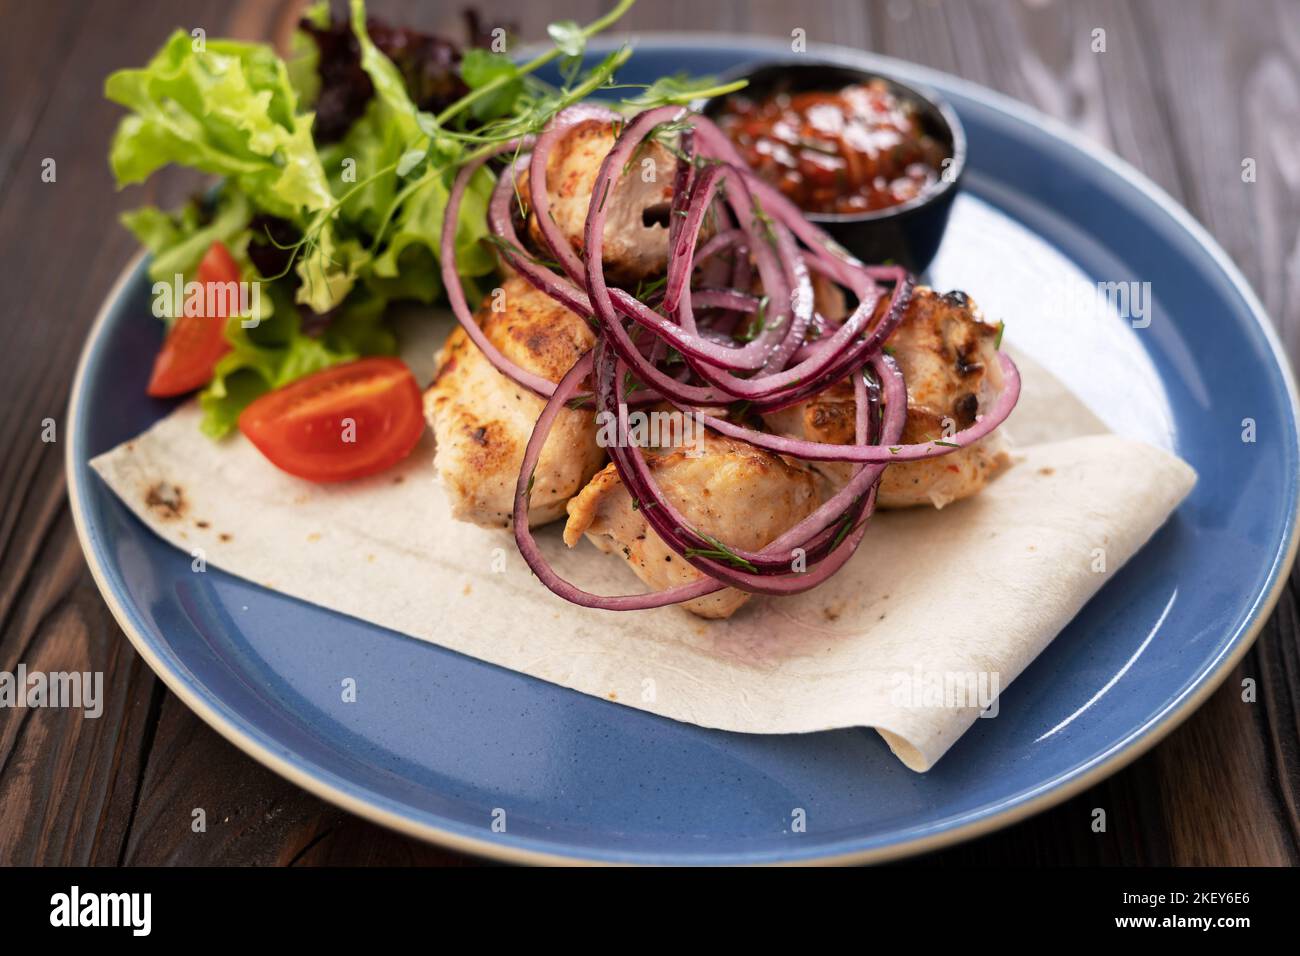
(645,289)
(767,222)
(758,324)
(719,552)
(846,526)
(512,250)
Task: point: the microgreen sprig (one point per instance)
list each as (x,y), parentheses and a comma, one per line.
(509,103)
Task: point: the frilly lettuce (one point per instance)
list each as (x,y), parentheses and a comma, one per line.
(222,107)
(233,109)
(177,241)
(407,267)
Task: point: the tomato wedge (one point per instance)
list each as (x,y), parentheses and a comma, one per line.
(195,343)
(344,422)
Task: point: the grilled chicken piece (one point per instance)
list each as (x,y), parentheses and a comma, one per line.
(949,361)
(637,207)
(482,420)
(828,298)
(728,489)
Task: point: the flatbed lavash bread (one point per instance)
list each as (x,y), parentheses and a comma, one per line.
(980,587)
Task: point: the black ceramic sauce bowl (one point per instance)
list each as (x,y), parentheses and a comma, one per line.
(909,233)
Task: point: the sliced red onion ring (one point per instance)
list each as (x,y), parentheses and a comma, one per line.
(527,544)
(456,292)
(888,453)
(795,356)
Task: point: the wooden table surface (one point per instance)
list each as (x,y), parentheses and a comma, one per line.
(1184,91)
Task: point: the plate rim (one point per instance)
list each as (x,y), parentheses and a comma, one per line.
(1124,752)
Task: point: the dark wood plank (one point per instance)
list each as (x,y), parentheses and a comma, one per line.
(249,815)
(1250,110)
(1226,781)
(69,785)
(1184,91)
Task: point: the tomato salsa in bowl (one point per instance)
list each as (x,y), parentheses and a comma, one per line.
(875,162)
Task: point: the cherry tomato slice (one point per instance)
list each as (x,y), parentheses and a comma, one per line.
(344,422)
(195,343)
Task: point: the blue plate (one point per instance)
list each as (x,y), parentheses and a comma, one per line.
(452,739)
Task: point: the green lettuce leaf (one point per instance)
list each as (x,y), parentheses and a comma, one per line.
(304,56)
(372,144)
(389,134)
(237,111)
(390,89)
(328,270)
(227,108)
(177,241)
(414,243)
(481,67)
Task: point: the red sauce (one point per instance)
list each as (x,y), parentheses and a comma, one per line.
(852,150)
